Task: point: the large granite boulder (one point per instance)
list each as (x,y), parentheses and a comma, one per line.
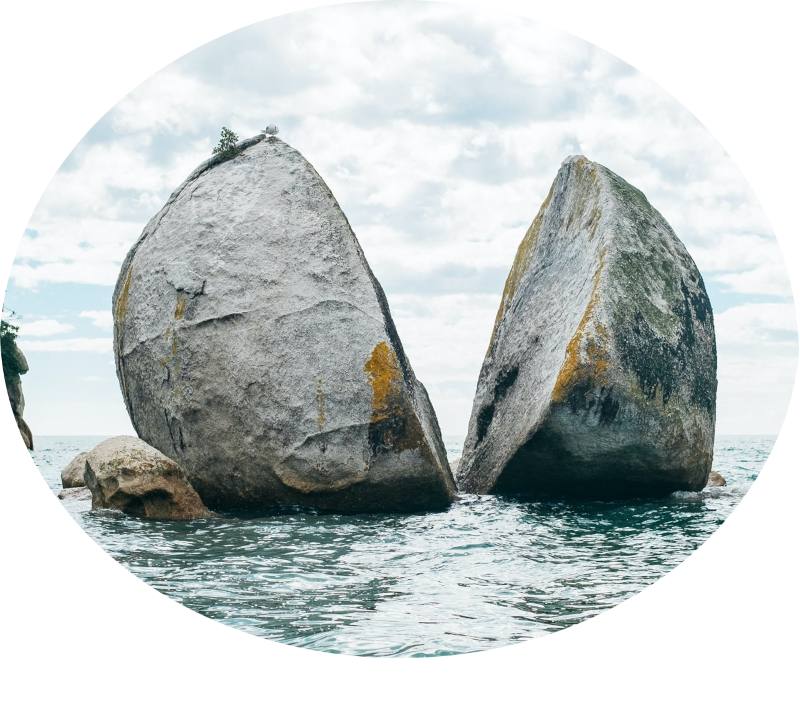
(15,396)
(600,378)
(255,347)
(128,474)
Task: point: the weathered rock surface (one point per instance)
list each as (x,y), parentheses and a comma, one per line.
(17,399)
(715,479)
(72,474)
(256,349)
(75,494)
(600,378)
(128,474)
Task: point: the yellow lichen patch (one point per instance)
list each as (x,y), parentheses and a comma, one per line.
(122,303)
(383,373)
(180,307)
(594,366)
(394,423)
(320,405)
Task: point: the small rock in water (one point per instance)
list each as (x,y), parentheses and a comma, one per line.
(255,347)
(75,494)
(72,474)
(600,379)
(128,474)
(715,479)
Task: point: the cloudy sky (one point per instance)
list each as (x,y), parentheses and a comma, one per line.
(439,130)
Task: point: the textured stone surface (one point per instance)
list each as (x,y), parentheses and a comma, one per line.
(75,494)
(72,474)
(127,474)
(256,349)
(17,399)
(715,479)
(600,378)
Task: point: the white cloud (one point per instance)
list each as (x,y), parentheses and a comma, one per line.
(757,366)
(754,391)
(100,318)
(43,328)
(94,345)
(439,130)
(765,279)
(757,324)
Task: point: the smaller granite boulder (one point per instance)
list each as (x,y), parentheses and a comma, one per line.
(72,475)
(75,494)
(128,474)
(715,479)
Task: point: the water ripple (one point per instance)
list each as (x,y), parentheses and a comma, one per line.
(488,572)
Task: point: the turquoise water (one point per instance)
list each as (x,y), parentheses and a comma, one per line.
(488,572)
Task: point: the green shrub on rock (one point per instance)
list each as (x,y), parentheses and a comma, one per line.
(12,367)
(226,149)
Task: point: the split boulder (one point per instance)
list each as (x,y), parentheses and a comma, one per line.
(255,347)
(600,377)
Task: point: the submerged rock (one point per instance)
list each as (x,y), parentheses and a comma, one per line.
(715,479)
(128,474)
(600,378)
(15,396)
(255,347)
(72,474)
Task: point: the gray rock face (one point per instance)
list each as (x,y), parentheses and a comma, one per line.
(256,349)
(72,474)
(127,474)
(17,399)
(600,378)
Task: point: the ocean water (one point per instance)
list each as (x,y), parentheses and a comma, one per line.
(488,572)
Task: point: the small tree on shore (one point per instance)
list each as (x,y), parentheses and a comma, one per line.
(227,144)
(8,347)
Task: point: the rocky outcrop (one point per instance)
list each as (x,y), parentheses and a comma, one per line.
(15,396)
(715,479)
(127,474)
(600,378)
(72,474)
(256,349)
